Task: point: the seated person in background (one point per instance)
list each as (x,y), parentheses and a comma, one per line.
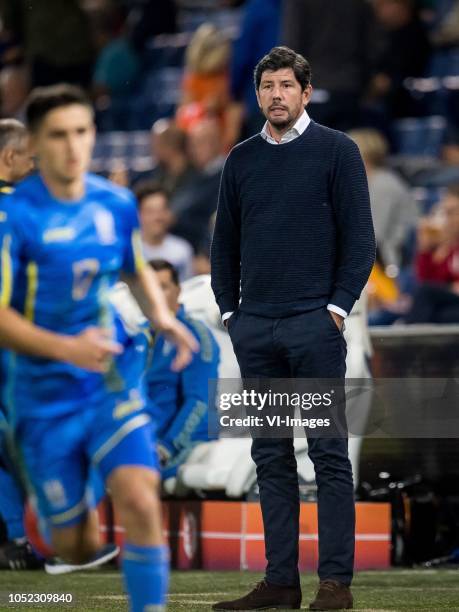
(206,86)
(178,401)
(155,220)
(173,169)
(404,52)
(393,207)
(205,153)
(395,214)
(437,264)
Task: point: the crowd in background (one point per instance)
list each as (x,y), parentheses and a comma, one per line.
(177,79)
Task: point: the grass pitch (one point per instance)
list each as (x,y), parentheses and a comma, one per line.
(98,590)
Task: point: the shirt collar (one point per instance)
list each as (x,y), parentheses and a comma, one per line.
(298,128)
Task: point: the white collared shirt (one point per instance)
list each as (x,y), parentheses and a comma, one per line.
(300,126)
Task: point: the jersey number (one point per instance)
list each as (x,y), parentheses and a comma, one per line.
(84,272)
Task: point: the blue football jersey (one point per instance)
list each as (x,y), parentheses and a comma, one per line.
(59,260)
(5,189)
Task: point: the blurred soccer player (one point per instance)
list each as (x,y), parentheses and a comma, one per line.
(15,159)
(180,400)
(15,163)
(73,384)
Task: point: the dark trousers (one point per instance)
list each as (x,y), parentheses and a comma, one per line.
(308,345)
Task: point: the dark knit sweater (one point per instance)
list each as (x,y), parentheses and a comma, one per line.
(293,229)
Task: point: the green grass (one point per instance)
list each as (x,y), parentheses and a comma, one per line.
(403,590)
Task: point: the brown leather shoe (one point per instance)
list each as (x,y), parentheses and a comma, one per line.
(263,597)
(332,595)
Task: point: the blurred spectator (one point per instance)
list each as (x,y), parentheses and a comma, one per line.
(206,83)
(336,38)
(179,401)
(205,149)
(118,66)
(15,159)
(393,207)
(405,52)
(155,220)
(437,264)
(437,172)
(192,219)
(14,89)
(55,37)
(446,33)
(258,35)
(149,18)
(173,170)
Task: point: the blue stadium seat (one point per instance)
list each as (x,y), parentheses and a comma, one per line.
(427,197)
(419,137)
(161,92)
(127,149)
(166,51)
(444,63)
(428,94)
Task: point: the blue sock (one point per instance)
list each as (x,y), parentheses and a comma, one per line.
(11,505)
(146,575)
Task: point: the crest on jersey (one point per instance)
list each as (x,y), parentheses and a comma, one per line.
(105,226)
(167,348)
(55,493)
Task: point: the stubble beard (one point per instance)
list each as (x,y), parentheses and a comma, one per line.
(283,125)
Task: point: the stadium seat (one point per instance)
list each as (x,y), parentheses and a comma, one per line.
(444,63)
(128,149)
(426,198)
(420,137)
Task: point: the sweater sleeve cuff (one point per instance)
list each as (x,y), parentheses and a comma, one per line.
(226,303)
(343,299)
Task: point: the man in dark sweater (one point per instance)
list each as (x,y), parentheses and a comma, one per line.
(292,250)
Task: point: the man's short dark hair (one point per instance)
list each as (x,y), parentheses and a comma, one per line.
(12,133)
(149,188)
(42,100)
(162,264)
(283,57)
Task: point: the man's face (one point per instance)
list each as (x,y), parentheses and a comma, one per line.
(155,216)
(63,143)
(170,289)
(204,143)
(281,98)
(391,13)
(22,161)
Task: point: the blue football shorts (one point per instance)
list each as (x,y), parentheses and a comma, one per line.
(59,454)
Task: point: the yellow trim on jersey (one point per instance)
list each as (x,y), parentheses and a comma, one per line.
(6,280)
(6,189)
(136,242)
(31,293)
